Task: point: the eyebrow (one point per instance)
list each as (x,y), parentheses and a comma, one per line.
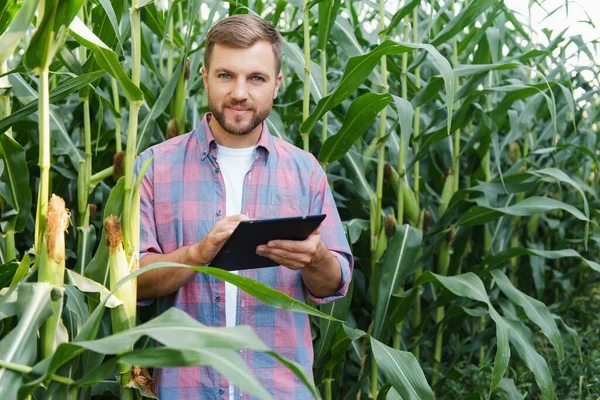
(253,73)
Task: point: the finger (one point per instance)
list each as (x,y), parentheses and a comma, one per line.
(221,236)
(296,246)
(288,256)
(227,226)
(233,223)
(238,217)
(291,264)
(229,222)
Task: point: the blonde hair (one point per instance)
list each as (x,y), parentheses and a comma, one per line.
(243,31)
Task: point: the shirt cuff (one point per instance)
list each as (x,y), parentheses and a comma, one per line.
(343,289)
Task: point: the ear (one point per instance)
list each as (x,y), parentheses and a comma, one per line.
(277,84)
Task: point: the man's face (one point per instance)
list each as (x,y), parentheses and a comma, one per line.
(241,85)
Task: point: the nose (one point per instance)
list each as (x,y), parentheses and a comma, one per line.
(240,91)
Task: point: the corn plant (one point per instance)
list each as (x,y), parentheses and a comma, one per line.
(462,155)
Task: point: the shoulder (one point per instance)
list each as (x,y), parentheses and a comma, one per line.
(169,152)
(288,154)
(168,147)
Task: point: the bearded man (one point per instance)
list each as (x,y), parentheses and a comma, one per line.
(199,187)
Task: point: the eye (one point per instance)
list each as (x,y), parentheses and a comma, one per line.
(224,76)
(258,79)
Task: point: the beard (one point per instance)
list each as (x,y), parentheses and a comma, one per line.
(235,125)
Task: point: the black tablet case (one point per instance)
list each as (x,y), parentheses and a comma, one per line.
(239,251)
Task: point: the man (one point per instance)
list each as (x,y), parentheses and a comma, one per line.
(202,184)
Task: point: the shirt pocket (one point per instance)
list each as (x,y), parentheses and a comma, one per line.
(288,205)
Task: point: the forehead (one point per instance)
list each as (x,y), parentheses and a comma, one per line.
(258,57)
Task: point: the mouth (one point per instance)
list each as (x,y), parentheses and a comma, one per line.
(238,110)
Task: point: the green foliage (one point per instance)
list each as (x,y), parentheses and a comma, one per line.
(482,141)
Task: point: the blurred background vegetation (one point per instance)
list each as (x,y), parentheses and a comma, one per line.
(460,138)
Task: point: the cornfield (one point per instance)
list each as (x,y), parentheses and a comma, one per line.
(462,153)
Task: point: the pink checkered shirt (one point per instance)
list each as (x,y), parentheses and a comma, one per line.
(183,196)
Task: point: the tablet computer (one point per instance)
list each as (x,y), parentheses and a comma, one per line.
(239,251)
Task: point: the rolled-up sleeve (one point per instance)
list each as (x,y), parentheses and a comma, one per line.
(332,234)
(148,233)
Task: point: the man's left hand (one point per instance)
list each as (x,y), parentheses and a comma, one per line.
(296,254)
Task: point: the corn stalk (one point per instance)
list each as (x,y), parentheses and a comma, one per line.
(306,93)
(52,270)
(379,189)
(417,174)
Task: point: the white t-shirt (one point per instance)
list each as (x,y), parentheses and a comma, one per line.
(234,165)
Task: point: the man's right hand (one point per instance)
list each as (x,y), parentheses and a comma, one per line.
(207,248)
(164,281)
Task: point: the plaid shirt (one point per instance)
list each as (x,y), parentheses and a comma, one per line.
(183,196)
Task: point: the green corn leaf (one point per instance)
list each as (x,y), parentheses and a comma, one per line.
(201,345)
(227,362)
(473,69)
(556,175)
(66,87)
(521,340)
(405,10)
(164,329)
(58,131)
(50,32)
(497,260)
(402,370)
(328,10)
(361,186)
(19,345)
(41,48)
(537,311)
(276,126)
(106,58)
(87,285)
(109,12)
(165,96)
(10,38)
(327,328)
(14,185)
(295,57)
(479,215)
(359,68)
(467,16)
(470,285)
(360,116)
(398,262)
(508,387)
(22,271)
(406,115)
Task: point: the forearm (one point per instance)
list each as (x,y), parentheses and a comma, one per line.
(324,277)
(163,281)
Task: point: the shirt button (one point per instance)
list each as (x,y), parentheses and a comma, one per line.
(218,299)
(219,212)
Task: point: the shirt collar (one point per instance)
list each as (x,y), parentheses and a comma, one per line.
(207,142)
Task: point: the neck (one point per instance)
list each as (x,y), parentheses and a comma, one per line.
(224,138)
